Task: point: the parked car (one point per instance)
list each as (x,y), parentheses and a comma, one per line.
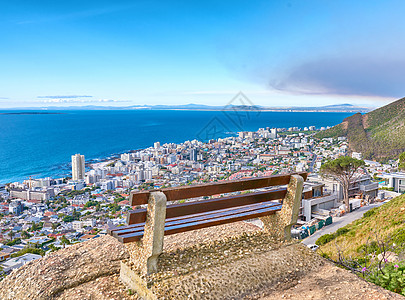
(313,247)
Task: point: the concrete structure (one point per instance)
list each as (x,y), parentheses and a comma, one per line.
(15,207)
(396,181)
(314,205)
(4,255)
(77,184)
(357,155)
(18,262)
(35,194)
(39,183)
(228,269)
(78,168)
(193,154)
(79,225)
(144,254)
(364,186)
(314,200)
(279,224)
(361,185)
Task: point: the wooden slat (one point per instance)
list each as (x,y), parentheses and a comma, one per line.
(136,225)
(198,217)
(132,237)
(193,191)
(189,208)
(136,216)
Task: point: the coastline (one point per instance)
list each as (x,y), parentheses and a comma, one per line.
(136,135)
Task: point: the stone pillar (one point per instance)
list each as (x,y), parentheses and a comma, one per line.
(144,254)
(279,224)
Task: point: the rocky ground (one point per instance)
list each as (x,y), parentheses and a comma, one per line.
(67,269)
(90,271)
(329,282)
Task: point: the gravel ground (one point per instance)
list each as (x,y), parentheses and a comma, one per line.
(330,282)
(48,277)
(108,287)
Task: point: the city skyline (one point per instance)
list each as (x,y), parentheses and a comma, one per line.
(126,53)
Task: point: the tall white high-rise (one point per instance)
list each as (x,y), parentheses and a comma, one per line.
(78,167)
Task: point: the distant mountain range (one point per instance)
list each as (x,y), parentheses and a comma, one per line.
(379,134)
(191,106)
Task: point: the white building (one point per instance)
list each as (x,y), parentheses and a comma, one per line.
(15,207)
(15,263)
(361,185)
(78,169)
(314,200)
(107,185)
(357,155)
(396,181)
(79,225)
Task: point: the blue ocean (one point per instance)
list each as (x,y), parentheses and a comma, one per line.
(41,145)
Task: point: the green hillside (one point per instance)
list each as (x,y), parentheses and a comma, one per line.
(372,247)
(386,222)
(379,134)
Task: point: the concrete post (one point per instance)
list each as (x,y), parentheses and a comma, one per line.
(279,224)
(154,230)
(144,254)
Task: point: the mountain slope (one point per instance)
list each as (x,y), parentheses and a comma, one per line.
(384,221)
(379,134)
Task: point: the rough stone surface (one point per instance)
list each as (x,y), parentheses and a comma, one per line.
(48,277)
(219,252)
(92,267)
(90,271)
(108,287)
(327,282)
(289,270)
(279,224)
(190,238)
(245,272)
(186,239)
(144,254)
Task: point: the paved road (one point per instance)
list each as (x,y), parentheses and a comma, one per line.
(339,222)
(311,166)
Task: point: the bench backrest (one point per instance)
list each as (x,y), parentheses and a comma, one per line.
(147,227)
(186,192)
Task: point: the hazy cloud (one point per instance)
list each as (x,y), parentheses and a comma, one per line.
(65,97)
(230,93)
(360,76)
(79,100)
(208,93)
(4,98)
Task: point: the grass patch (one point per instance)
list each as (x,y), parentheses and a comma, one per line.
(386,221)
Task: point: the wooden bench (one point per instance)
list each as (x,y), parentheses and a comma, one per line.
(147,226)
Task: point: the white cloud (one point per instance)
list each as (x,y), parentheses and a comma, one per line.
(75,100)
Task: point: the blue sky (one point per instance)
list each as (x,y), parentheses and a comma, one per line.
(278,53)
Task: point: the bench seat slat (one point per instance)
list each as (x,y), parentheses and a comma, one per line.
(111,231)
(172,229)
(198,217)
